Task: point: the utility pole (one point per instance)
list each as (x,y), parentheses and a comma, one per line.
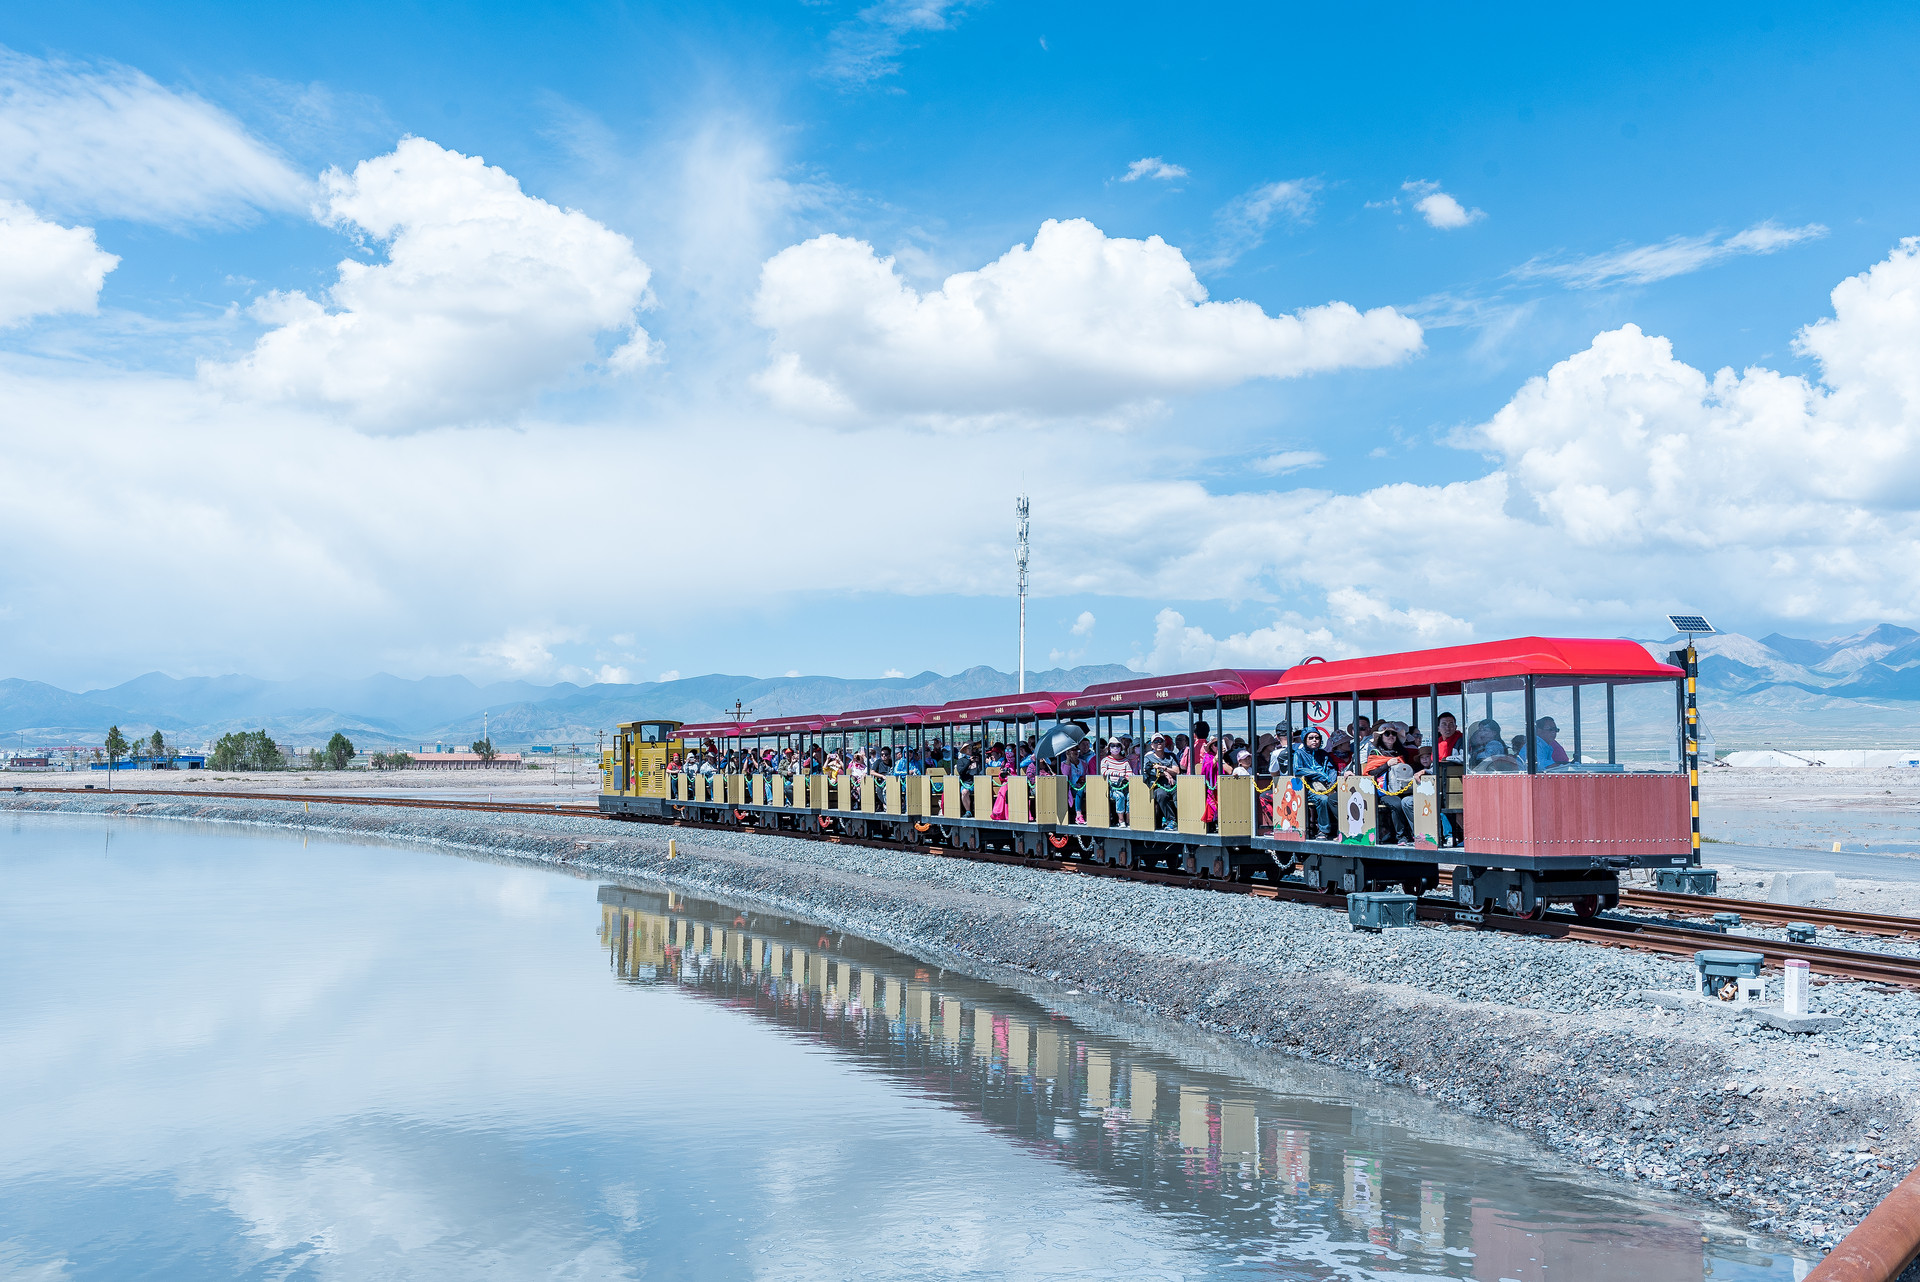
(1020,507)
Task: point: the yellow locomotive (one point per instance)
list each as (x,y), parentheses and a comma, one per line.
(641,754)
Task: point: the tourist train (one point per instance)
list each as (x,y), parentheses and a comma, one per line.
(1539,769)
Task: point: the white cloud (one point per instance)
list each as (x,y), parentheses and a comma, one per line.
(1181,647)
(1241,225)
(1675,256)
(793,672)
(1288,461)
(487,296)
(1152,167)
(671,674)
(106,141)
(47,269)
(1438,208)
(1083,626)
(1079,323)
(892,672)
(869,47)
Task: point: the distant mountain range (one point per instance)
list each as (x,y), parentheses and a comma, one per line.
(385,711)
(1861,690)
(1853,691)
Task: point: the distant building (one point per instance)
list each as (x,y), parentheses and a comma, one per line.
(182,761)
(444,760)
(541,749)
(30,763)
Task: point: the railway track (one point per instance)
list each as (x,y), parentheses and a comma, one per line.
(1860,923)
(1619,932)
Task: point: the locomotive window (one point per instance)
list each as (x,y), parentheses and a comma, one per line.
(652,733)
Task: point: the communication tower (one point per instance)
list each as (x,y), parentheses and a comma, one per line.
(1020,507)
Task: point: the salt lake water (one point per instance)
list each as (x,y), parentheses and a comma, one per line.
(240,1052)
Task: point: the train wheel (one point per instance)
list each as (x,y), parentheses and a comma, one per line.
(1217,868)
(1192,864)
(1585,906)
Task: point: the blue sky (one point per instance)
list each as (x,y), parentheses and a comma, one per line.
(681,383)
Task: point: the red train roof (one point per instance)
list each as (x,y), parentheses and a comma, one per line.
(783,725)
(1151,692)
(996,707)
(1414,671)
(880,718)
(710,730)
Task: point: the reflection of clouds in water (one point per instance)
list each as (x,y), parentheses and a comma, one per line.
(379,1199)
(19,1262)
(524,893)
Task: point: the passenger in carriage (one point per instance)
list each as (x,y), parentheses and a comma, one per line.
(1114,768)
(1546,733)
(1161,770)
(1315,768)
(1487,748)
(1073,768)
(967,765)
(1392,775)
(1446,745)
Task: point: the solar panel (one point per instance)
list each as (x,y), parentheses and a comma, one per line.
(1691,624)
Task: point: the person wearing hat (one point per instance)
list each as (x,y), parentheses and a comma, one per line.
(1114,769)
(1161,770)
(1315,768)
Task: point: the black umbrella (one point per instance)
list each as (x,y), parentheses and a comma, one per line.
(1057,740)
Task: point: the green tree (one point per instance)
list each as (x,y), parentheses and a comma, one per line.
(116,746)
(157,746)
(378,761)
(399,760)
(484,747)
(339,753)
(240,750)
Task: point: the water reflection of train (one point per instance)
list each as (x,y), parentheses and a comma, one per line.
(1309,1179)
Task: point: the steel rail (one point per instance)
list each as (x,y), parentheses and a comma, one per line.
(1648,936)
(1759,910)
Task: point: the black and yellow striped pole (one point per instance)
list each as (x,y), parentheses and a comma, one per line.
(1693,745)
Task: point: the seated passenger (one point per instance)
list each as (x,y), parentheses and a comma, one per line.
(1446,745)
(1546,732)
(1487,749)
(1315,768)
(1115,769)
(1393,778)
(1161,769)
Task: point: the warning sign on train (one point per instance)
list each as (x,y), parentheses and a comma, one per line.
(1319,711)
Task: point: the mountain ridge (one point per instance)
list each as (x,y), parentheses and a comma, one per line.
(1853,690)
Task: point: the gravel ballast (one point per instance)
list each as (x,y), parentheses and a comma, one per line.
(1801,1135)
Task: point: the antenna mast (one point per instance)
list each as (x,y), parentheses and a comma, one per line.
(1020,507)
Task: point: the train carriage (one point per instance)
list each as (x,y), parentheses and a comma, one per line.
(1199,826)
(1033,808)
(1525,819)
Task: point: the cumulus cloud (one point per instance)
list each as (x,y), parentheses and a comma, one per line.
(1152,167)
(1675,256)
(1438,208)
(47,269)
(869,47)
(486,296)
(106,141)
(1083,626)
(1240,226)
(1077,323)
